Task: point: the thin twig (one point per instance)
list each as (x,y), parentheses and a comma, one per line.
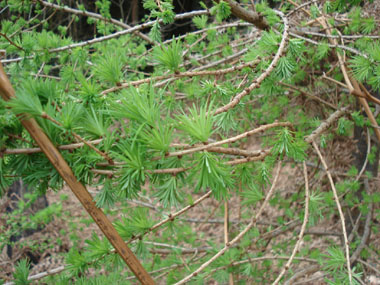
(346,243)
(303,228)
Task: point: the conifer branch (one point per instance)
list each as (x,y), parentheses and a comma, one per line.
(111,36)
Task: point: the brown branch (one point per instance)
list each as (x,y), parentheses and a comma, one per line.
(302,273)
(7,92)
(249,16)
(264,153)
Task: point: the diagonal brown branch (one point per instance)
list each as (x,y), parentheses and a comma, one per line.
(54,156)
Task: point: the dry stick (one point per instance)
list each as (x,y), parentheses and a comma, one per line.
(30,21)
(256,83)
(356,226)
(368,95)
(174,171)
(240,235)
(334,81)
(111,36)
(370,266)
(62,268)
(95,16)
(41,275)
(264,154)
(342,219)
(305,220)
(219,51)
(227,25)
(7,92)
(193,259)
(36,25)
(353,86)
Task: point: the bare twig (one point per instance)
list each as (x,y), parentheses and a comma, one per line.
(303,228)
(346,243)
